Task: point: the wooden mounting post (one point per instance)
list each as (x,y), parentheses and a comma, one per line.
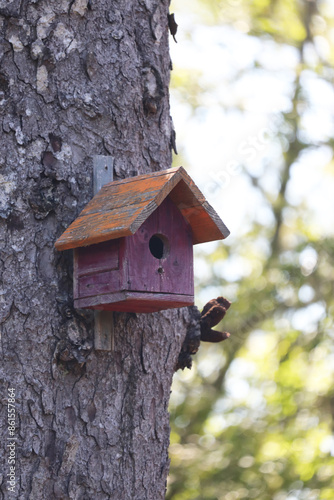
(104,330)
(104,320)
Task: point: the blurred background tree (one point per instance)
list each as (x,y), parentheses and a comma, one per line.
(253,106)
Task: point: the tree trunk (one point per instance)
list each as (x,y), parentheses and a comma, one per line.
(77,79)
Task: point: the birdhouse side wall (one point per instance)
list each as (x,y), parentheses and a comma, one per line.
(96,269)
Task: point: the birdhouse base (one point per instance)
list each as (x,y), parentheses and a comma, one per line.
(136,302)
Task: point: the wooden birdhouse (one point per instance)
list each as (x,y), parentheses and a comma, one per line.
(133,243)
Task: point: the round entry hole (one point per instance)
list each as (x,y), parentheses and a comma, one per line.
(159,246)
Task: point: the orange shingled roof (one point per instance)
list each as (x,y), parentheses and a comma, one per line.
(121,207)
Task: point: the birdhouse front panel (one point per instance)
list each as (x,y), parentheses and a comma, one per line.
(133,243)
(159,256)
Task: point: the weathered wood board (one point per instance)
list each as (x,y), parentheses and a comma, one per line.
(121,207)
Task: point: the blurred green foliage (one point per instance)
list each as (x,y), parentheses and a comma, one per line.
(254,418)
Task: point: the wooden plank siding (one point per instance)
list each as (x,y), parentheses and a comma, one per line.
(98,258)
(98,284)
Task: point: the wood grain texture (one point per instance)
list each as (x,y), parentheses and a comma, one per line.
(97,258)
(104,330)
(205,223)
(170,274)
(138,302)
(121,207)
(99,283)
(99,227)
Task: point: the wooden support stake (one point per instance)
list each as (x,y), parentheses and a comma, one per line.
(104,320)
(104,331)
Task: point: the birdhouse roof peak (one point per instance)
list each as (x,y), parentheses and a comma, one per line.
(121,207)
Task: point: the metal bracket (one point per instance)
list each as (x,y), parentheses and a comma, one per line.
(103,171)
(104,320)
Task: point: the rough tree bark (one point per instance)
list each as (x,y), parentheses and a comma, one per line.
(79,78)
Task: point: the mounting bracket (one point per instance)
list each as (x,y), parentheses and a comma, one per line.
(104,320)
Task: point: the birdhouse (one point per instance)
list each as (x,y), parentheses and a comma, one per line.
(133,243)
